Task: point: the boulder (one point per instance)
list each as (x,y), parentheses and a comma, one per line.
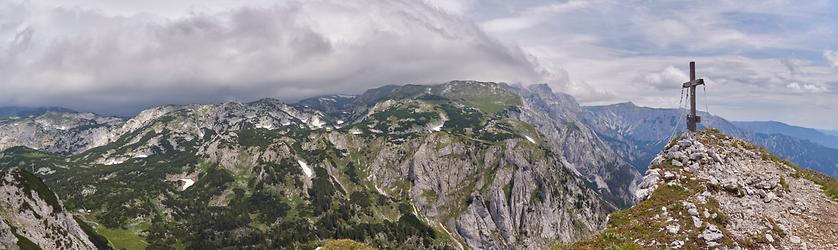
(711,233)
(770,196)
(673,229)
(716,157)
(696,222)
(668,175)
(696,156)
(730,184)
(677,244)
(676,155)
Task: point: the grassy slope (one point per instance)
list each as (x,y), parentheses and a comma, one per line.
(637,222)
(120,238)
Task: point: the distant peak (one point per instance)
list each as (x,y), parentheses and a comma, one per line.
(543,87)
(475,83)
(625,104)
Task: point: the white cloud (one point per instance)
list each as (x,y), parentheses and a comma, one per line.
(668,78)
(832,57)
(458,7)
(533,16)
(93,59)
(748,53)
(752,54)
(804,87)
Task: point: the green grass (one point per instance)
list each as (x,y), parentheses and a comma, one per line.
(828,184)
(123,238)
(345,245)
(100,241)
(489,98)
(430,195)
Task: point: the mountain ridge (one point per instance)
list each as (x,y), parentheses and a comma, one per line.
(454,165)
(775,127)
(464,163)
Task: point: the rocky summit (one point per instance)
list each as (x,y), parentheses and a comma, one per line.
(712,191)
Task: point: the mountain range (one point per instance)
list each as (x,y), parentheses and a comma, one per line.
(639,133)
(771,127)
(11,112)
(829,132)
(453,165)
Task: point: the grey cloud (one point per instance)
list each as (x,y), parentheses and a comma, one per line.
(89,60)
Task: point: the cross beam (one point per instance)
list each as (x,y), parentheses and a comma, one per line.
(692,119)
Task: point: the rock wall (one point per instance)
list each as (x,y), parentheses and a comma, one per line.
(32,213)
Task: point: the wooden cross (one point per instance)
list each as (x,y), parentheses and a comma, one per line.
(692,118)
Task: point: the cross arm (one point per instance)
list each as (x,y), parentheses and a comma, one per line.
(691,84)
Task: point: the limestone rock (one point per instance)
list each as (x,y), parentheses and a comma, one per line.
(711,233)
(38,215)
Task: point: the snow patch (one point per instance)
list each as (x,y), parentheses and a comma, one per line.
(186,183)
(114,161)
(45,171)
(356,131)
(265,126)
(529,139)
(141,156)
(316,122)
(306,170)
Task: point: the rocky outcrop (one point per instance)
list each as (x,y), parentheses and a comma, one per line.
(739,196)
(31,214)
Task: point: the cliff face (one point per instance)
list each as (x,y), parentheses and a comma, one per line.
(33,216)
(461,164)
(713,190)
(559,118)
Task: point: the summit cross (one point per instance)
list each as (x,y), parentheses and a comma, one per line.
(692,118)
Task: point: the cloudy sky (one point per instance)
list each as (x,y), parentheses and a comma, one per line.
(762,60)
